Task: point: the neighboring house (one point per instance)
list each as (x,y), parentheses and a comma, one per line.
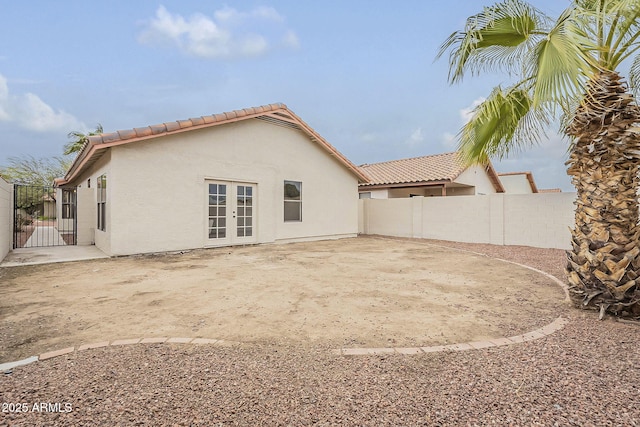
(248,176)
(436,175)
(518,182)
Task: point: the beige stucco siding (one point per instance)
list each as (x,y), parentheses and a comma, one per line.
(516,184)
(87,205)
(476,176)
(157,188)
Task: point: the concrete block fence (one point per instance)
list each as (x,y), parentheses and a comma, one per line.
(541,220)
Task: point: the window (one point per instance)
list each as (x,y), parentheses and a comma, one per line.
(102,202)
(365,195)
(292,201)
(68,204)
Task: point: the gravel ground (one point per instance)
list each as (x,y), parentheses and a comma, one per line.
(584,375)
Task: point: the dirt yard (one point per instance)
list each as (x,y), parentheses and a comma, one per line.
(366,291)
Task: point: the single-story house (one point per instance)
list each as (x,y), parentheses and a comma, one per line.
(435,175)
(518,182)
(255,175)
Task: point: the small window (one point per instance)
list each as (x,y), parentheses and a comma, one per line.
(292,201)
(68,204)
(102,202)
(365,195)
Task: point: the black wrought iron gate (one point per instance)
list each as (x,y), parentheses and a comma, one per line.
(44,216)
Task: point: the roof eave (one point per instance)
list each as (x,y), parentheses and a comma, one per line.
(104,141)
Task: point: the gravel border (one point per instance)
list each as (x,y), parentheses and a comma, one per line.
(582,375)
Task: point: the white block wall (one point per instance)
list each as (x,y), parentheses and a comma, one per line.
(6,218)
(539,220)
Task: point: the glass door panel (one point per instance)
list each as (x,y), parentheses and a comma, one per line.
(217,211)
(244,219)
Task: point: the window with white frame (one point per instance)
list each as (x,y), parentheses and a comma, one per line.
(292,201)
(102,202)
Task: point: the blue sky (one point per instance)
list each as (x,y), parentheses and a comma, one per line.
(361,73)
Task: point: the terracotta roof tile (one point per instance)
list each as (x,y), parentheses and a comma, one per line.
(108,137)
(146,131)
(197,121)
(439,167)
(156,129)
(106,140)
(127,134)
(171,126)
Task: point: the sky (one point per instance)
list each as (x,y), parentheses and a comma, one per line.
(362,73)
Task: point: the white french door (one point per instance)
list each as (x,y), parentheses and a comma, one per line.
(231,213)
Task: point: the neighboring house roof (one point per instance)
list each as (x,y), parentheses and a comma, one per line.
(425,170)
(277,114)
(550,190)
(527,174)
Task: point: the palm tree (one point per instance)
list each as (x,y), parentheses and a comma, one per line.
(78,139)
(567,69)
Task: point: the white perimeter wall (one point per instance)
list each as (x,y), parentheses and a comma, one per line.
(6,218)
(540,220)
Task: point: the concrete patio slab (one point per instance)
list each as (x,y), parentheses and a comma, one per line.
(47,255)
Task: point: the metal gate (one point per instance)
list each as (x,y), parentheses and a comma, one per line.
(44,216)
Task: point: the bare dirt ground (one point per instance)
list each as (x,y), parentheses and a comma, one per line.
(581,375)
(369,292)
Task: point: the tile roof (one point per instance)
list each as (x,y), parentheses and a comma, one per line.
(439,167)
(277,114)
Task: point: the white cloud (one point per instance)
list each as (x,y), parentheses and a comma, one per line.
(369,137)
(467,113)
(449,140)
(228,34)
(290,39)
(416,137)
(4,97)
(30,112)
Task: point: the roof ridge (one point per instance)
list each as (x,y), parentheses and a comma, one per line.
(171,126)
(408,158)
(98,143)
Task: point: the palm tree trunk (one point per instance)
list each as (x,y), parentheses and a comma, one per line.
(604,266)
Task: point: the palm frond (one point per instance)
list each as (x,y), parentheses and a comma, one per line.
(634,76)
(497,38)
(504,122)
(561,63)
(612,25)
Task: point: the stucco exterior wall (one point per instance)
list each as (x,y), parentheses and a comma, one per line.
(516,184)
(6,218)
(540,220)
(156,197)
(477,177)
(86,205)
